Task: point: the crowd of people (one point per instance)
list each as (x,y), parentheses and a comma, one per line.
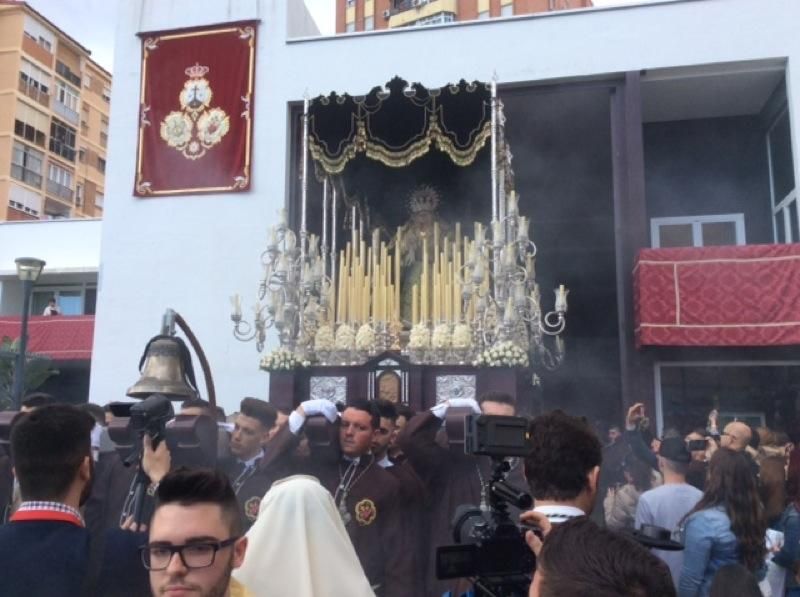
(349,500)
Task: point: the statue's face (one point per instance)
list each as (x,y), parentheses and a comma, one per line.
(424,218)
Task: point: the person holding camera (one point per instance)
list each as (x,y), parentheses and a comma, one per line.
(451,478)
(367,497)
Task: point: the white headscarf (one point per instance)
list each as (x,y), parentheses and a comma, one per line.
(298,546)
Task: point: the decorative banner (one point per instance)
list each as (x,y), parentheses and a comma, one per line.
(196,110)
(718,296)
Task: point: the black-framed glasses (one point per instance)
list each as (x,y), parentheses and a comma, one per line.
(193,555)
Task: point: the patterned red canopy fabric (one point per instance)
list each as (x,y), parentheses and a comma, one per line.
(718,296)
(62,337)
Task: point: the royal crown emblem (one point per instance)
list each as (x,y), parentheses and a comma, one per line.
(423,198)
(197,127)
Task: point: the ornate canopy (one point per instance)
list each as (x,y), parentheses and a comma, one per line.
(400,122)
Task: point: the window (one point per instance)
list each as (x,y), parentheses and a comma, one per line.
(483,15)
(59,182)
(30,124)
(39,33)
(87,80)
(785,216)
(442,17)
(79,195)
(82,155)
(757,393)
(34,82)
(66,102)
(697,231)
(98,200)
(507,10)
(104,131)
(62,140)
(26,164)
(101,164)
(106,93)
(76,299)
(24,199)
(369,23)
(350,27)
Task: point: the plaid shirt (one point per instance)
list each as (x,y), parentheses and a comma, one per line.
(37,506)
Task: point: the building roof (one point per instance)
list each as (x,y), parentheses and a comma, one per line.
(62,338)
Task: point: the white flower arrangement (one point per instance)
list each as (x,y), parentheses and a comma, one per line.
(503,354)
(420,337)
(462,336)
(281,360)
(441,336)
(324,338)
(365,338)
(345,337)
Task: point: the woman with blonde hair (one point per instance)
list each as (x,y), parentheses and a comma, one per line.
(298,546)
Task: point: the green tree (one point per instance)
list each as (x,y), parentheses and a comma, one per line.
(38,369)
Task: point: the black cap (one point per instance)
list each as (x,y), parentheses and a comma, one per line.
(674,448)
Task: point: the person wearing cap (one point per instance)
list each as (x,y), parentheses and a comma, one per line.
(667,505)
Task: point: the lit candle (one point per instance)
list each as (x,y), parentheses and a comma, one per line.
(414,305)
(519,295)
(522,229)
(510,316)
(497,231)
(282,218)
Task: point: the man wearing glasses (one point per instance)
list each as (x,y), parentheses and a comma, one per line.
(195,536)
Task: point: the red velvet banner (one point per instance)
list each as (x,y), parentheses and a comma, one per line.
(718,296)
(196,110)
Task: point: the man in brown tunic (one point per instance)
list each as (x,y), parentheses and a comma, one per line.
(451,477)
(367,496)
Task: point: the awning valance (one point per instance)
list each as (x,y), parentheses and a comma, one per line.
(400,122)
(718,296)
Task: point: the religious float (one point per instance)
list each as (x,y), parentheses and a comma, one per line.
(410,274)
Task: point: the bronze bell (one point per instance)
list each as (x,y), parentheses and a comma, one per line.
(163,372)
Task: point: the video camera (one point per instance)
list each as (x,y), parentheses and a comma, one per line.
(490,548)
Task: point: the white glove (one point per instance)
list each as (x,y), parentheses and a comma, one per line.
(322,407)
(440,410)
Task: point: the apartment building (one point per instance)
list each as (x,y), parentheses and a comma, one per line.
(368,15)
(54,109)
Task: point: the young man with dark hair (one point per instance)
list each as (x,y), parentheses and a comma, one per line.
(563,466)
(369,498)
(44,549)
(247,468)
(449,476)
(196,537)
(197,407)
(580,559)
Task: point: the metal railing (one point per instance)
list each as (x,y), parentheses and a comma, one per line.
(59,190)
(35,93)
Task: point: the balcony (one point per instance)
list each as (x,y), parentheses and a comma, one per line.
(59,190)
(406,12)
(746,295)
(66,112)
(34,93)
(27,176)
(56,210)
(63,70)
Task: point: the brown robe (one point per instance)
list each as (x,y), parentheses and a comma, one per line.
(451,479)
(252,489)
(378,525)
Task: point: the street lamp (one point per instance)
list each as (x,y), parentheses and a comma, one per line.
(28,271)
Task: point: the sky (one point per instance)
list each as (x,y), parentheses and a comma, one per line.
(73,16)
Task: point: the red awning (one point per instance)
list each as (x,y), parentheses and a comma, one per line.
(62,337)
(718,296)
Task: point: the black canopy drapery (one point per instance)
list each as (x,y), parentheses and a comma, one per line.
(399,123)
